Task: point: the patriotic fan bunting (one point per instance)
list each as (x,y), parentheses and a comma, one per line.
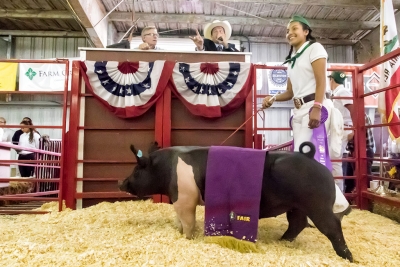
(128,89)
(212,89)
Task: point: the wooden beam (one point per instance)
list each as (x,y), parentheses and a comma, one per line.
(90,12)
(35,14)
(252,39)
(241,20)
(263,39)
(328,3)
(42,33)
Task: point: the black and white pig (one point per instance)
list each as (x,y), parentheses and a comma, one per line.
(293,182)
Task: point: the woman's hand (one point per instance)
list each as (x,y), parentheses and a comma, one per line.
(267,102)
(315,117)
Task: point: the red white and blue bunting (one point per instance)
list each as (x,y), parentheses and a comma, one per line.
(128,89)
(212,89)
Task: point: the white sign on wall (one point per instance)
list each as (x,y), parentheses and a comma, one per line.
(277,79)
(41,77)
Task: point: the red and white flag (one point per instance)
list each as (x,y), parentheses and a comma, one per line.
(390,71)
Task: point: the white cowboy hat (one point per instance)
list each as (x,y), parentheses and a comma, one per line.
(224,24)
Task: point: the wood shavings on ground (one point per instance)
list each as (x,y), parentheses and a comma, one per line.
(140,233)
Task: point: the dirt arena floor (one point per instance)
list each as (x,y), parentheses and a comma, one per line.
(141,233)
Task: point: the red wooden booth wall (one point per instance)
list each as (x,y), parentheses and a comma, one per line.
(98,141)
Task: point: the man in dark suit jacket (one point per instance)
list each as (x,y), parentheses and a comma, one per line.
(216,38)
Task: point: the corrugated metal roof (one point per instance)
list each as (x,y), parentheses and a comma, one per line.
(250,18)
(261,10)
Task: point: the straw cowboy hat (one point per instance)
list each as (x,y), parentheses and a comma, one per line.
(224,24)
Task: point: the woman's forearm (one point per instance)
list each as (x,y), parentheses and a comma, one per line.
(285,96)
(319,67)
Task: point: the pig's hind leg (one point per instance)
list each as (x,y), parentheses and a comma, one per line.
(188,198)
(186,215)
(297,222)
(178,224)
(328,224)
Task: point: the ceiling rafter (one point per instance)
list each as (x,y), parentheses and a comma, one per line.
(252,39)
(194,19)
(42,33)
(37,14)
(89,13)
(330,3)
(241,20)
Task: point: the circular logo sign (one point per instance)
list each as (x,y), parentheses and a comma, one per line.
(278,77)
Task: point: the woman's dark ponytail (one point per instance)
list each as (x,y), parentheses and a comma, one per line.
(290,53)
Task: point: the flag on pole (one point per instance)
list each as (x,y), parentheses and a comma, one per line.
(8,76)
(390,71)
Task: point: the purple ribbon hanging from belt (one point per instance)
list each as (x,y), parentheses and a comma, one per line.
(320,140)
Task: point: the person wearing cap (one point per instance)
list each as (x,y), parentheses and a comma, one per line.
(345,106)
(306,84)
(216,36)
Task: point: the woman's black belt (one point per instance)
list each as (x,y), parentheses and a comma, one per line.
(298,102)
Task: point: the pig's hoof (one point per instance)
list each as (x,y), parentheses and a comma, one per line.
(179,225)
(190,237)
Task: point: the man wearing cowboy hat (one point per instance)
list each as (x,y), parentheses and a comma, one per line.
(216,38)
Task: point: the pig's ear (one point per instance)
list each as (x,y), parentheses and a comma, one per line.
(139,156)
(154,147)
(133,149)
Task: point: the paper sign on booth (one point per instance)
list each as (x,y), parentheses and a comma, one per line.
(8,76)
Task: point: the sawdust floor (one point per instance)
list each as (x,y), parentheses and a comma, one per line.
(144,234)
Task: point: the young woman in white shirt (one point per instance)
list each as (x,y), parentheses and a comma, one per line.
(306,85)
(29,139)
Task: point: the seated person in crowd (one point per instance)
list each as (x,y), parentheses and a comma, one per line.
(150,38)
(5,133)
(216,36)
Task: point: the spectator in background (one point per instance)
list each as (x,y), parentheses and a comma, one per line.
(345,106)
(29,139)
(17,134)
(370,146)
(5,133)
(2,123)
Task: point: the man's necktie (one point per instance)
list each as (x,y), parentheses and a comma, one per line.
(219,47)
